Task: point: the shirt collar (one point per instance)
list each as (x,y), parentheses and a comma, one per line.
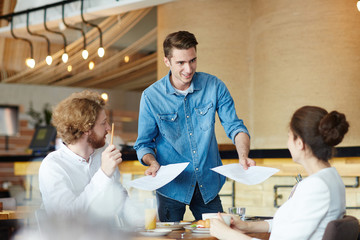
(74,155)
(194,86)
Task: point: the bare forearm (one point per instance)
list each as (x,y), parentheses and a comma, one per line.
(257,227)
(148,159)
(242,143)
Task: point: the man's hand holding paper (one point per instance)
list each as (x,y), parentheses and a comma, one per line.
(254,174)
(163,176)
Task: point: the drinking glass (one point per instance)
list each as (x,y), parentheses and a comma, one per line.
(150,213)
(238,211)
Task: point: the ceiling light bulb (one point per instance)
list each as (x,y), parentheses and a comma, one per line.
(358,5)
(48,60)
(91,65)
(126,59)
(65,57)
(69,68)
(85,54)
(105,97)
(30,62)
(101,52)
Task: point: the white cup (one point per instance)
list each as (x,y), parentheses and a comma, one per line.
(227,218)
(209,215)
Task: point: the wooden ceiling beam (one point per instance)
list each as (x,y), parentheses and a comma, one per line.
(117,80)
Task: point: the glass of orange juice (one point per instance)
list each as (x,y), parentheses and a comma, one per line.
(150,213)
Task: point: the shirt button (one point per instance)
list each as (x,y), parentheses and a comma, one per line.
(190,134)
(200,185)
(196,169)
(185,99)
(200,112)
(194,151)
(172,119)
(187,116)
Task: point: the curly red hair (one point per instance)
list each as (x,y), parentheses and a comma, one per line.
(77,114)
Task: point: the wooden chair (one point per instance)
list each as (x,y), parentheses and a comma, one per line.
(346,228)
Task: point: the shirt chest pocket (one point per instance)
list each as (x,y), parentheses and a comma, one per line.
(169,125)
(205,116)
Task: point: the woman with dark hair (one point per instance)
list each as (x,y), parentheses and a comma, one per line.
(319,198)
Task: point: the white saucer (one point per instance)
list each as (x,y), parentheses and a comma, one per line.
(169,225)
(201,230)
(156,232)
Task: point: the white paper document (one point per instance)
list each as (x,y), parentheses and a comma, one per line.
(253,175)
(165,175)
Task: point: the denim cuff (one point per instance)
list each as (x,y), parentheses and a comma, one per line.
(142,152)
(244,130)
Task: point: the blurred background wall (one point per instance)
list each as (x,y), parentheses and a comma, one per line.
(274,56)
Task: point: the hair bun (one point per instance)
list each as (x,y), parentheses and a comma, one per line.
(333,126)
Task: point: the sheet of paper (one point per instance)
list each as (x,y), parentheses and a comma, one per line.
(253,175)
(165,175)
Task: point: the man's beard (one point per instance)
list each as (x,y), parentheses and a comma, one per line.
(95,141)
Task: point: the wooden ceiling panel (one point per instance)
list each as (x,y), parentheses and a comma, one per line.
(109,72)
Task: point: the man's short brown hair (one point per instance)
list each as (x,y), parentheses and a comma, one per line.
(178,40)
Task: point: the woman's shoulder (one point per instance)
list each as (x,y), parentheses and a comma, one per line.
(312,185)
(321,181)
(328,176)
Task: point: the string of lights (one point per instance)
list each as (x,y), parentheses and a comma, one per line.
(30,62)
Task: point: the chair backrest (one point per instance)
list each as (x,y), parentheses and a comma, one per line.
(8,203)
(346,228)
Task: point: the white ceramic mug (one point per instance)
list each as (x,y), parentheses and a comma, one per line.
(227,218)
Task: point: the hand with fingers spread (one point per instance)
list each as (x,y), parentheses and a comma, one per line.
(110,159)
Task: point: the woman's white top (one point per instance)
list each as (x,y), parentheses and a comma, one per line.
(317,200)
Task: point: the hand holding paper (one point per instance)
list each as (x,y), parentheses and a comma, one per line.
(165,175)
(254,175)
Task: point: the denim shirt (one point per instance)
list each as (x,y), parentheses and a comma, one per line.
(177,128)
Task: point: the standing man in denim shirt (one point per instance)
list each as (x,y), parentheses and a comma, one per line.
(176,124)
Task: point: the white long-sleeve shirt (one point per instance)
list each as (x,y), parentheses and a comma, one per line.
(317,200)
(70,186)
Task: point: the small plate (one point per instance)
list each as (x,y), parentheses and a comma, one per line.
(189,227)
(201,230)
(156,232)
(169,225)
(185,223)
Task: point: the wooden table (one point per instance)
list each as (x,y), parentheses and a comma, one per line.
(21,212)
(177,235)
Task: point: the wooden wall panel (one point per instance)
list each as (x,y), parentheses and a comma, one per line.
(222,29)
(303,53)
(275,56)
